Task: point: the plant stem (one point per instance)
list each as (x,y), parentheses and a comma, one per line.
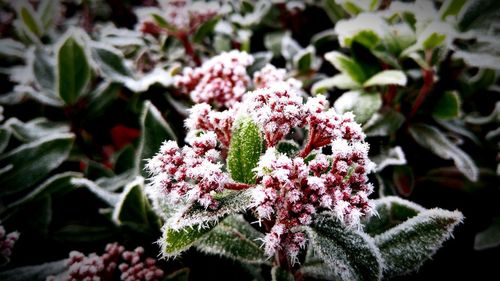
(428,76)
(188,47)
(237,186)
(309,145)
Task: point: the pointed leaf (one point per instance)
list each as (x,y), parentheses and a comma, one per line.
(111,63)
(383,123)
(351,254)
(73,71)
(451,8)
(230,202)
(155,130)
(30,20)
(346,65)
(48,11)
(304,59)
(447,106)
(205,29)
(408,245)
(133,204)
(244,150)
(108,197)
(387,77)
(35,129)
(362,104)
(431,138)
(391,211)
(340,81)
(234,238)
(389,157)
(177,241)
(59,183)
(33,161)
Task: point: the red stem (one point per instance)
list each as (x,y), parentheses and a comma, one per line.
(188,47)
(428,76)
(390,95)
(237,186)
(309,145)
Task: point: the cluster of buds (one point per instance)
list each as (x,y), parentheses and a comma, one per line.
(328,173)
(269,75)
(7,242)
(220,81)
(190,174)
(96,268)
(135,268)
(183,16)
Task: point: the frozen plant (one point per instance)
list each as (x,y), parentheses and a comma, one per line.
(300,170)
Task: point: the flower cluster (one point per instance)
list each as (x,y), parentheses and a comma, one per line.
(135,268)
(269,75)
(184,16)
(290,188)
(95,267)
(190,174)
(7,242)
(220,81)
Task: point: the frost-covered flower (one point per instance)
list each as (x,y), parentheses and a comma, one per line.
(136,267)
(269,75)
(185,15)
(220,81)
(7,242)
(104,267)
(289,188)
(191,173)
(276,109)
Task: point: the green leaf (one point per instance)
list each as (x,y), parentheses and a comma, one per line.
(387,77)
(431,138)
(205,29)
(280,274)
(475,11)
(234,238)
(304,59)
(35,129)
(447,106)
(111,63)
(351,8)
(229,202)
(347,66)
(132,205)
(43,69)
(391,211)
(272,42)
(244,150)
(55,185)
(48,11)
(73,71)
(389,157)
(33,161)
(34,272)
(384,123)
(408,245)
(351,254)
(451,8)
(30,20)
(367,38)
(162,22)
(4,138)
(155,130)
(340,81)
(488,238)
(434,40)
(362,104)
(177,241)
(333,10)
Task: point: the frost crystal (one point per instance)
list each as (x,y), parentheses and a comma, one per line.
(191,173)
(220,81)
